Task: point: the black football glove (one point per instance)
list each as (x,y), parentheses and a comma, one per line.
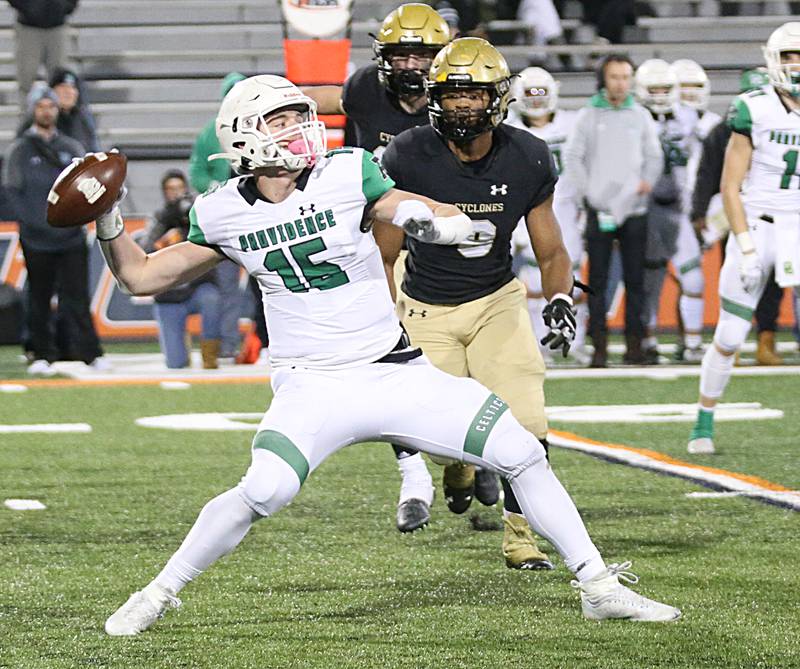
(559,316)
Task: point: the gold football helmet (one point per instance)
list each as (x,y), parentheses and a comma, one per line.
(412,29)
(468,63)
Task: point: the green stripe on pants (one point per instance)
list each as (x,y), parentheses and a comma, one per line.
(737,309)
(281,446)
(482,425)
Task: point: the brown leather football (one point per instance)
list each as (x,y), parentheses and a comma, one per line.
(86,189)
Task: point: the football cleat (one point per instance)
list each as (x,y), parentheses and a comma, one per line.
(487,487)
(519,545)
(604,597)
(141,610)
(701,446)
(459,486)
(413,514)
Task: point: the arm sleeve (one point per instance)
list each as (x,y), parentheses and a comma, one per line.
(653,164)
(375,181)
(739,118)
(574,155)
(709,170)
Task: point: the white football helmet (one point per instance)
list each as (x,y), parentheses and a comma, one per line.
(656,85)
(783,76)
(535,93)
(693,84)
(245,138)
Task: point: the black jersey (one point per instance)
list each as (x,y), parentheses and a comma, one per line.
(375,112)
(516,176)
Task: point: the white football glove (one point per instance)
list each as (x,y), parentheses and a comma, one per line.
(109,226)
(418,221)
(750,271)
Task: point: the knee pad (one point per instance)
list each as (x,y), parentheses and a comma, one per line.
(511,449)
(269,484)
(693,282)
(731,331)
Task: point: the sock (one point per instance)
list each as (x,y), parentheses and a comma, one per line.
(704,425)
(692,340)
(417,481)
(552,514)
(219,528)
(691,309)
(715,372)
(581,318)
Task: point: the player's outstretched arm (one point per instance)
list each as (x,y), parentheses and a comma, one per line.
(140,273)
(328,98)
(422,218)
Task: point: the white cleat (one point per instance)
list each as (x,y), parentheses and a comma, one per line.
(701,446)
(141,610)
(604,597)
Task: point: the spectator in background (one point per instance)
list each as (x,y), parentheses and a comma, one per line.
(613,158)
(204,174)
(709,173)
(170,226)
(40,37)
(52,255)
(74,118)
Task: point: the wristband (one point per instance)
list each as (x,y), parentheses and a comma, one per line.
(562,296)
(109,226)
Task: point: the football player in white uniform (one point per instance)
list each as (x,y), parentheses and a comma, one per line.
(670,236)
(535,109)
(761,194)
(343,370)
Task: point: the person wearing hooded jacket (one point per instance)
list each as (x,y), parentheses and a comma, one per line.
(40,37)
(203,175)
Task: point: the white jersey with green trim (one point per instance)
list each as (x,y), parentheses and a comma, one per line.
(326,299)
(555,134)
(773,181)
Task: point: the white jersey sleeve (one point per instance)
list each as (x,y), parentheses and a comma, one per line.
(324,289)
(773,181)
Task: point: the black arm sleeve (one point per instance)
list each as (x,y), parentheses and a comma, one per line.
(709,170)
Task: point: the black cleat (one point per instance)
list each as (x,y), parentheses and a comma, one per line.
(459,486)
(413,514)
(487,488)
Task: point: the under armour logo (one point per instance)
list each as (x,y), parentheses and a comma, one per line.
(310,209)
(499,190)
(415,312)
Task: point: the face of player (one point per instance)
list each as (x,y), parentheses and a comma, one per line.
(465,106)
(409,69)
(173,189)
(67,96)
(45,113)
(280,123)
(617,78)
(792,59)
(690,93)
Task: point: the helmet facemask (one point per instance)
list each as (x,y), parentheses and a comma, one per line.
(399,80)
(465,123)
(783,75)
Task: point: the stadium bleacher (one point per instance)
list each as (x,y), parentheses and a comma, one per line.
(152,67)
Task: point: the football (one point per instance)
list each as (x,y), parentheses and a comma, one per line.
(86,189)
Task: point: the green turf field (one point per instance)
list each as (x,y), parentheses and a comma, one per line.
(330,583)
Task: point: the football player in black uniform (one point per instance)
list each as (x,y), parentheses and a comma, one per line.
(462,304)
(382,100)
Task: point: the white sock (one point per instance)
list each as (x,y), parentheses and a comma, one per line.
(417,481)
(651,341)
(692,340)
(552,514)
(715,372)
(535,306)
(581,317)
(221,525)
(691,309)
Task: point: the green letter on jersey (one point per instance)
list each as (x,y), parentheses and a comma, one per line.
(790,158)
(322,275)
